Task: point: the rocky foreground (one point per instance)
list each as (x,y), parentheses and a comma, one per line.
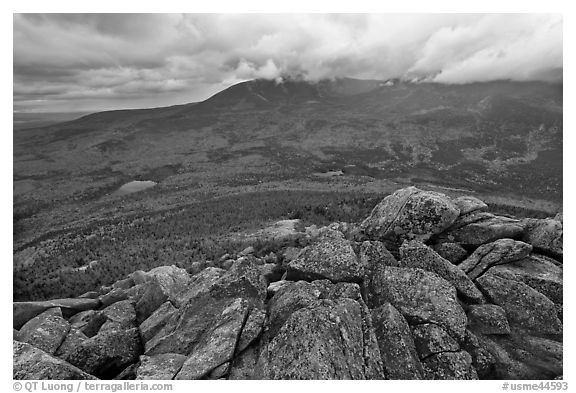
(426,287)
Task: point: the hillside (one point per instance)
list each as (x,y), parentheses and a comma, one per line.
(498,139)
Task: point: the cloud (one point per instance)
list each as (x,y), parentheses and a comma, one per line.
(106,60)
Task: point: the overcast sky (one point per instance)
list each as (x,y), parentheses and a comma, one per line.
(91,62)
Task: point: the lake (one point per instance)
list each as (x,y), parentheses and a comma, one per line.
(134,186)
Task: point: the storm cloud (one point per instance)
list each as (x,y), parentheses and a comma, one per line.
(108,61)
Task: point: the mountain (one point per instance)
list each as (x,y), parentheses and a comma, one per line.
(497,138)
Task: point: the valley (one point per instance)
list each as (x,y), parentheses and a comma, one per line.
(262,151)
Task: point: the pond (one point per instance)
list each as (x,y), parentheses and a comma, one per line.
(134,186)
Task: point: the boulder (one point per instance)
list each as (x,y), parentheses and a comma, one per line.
(420,296)
(323,341)
(536,271)
(396,344)
(274,287)
(172,279)
(89,295)
(24,311)
(220,372)
(244,364)
(242,280)
(524,305)
(218,344)
(415,254)
(124,284)
(129,373)
(46,331)
(113,296)
(161,367)
(469,204)
(287,300)
(482,359)
(431,339)
(271,272)
(163,283)
(339,290)
(374,253)
(410,213)
(452,252)
(152,298)
(33,363)
(163,315)
(488,319)
(252,328)
(450,366)
(523,356)
(545,235)
(290,253)
(187,332)
(333,259)
(477,228)
(107,353)
(496,253)
(73,340)
(88,322)
(247,251)
(120,315)
(199,283)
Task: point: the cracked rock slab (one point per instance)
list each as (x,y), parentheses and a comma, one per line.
(500,252)
(396,344)
(410,213)
(415,254)
(420,296)
(524,305)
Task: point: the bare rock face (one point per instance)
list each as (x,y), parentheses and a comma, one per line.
(251,329)
(374,253)
(483,360)
(523,356)
(161,284)
(496,253)
(417,255)
(274,287)
(477,228)
(25,311)
(546,236)
(420,296)
(323,341)
(488,319)
(171,279)
(431,339)
(524,305)
(107,353)
(396,344)
(216,346)
(164,315)
(410,213)
(333,259)
(116,345)
(207,329)
(452,252)
(450,366)
(73,340)
(538,272)
(88,322)
(45,331)
(199,283)
(32,363)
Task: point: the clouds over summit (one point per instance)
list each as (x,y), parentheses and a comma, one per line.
(97,61)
